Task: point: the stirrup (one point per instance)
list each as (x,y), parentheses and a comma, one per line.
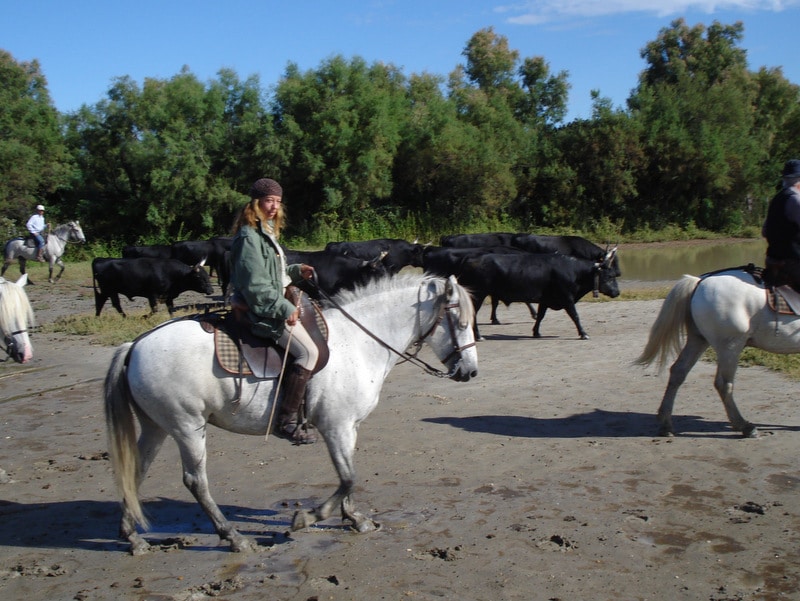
(297,433)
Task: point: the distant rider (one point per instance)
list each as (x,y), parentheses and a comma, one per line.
(36,226)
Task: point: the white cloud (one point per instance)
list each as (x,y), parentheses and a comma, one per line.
(534,12)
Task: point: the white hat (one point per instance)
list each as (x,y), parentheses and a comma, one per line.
(40,207)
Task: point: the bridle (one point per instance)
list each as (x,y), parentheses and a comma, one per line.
(446,309)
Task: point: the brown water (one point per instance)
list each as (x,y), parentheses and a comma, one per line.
(670,262)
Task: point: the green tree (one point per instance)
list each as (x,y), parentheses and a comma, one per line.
(339,127)
(170,161)
(34,162)
(695,104)
(605,157)
(776,129)
(510,108)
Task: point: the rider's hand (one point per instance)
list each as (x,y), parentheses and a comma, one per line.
(306,271)
(293,317)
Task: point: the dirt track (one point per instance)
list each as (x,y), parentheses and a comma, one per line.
(541,479)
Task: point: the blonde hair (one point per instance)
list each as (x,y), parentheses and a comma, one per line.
(252,215)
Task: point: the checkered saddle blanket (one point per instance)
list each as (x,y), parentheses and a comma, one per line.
(240,352)
(784,300)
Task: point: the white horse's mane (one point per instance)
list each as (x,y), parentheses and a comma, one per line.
(401,282)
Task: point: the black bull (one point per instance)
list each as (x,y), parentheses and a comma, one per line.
(552,280)
(154,279)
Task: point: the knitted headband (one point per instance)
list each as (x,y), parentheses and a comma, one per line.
(265,187)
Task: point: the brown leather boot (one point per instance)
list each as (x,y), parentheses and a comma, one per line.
(40,256)
(288,417)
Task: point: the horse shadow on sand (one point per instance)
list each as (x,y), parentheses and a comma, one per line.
(93,525)
(596,423)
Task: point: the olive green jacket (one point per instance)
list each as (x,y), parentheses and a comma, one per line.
(257,275)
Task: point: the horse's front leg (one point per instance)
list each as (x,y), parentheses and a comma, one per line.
(727,363)
(341,446)
(61,266)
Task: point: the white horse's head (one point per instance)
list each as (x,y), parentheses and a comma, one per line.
(16,315)
(452,338)
(76,232)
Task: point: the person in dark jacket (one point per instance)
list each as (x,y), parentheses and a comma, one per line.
(782,230)
(259,276)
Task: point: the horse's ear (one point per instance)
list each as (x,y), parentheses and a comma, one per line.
(23,279)
(451,285)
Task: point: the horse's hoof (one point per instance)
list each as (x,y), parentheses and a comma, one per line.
(243,545)
(750,431)
(139,546)
(367,526)
(303,519)
(666,432)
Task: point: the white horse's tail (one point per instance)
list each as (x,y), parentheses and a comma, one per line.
(122,434)
(669,329)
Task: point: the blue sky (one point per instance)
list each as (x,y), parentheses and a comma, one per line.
(82,45)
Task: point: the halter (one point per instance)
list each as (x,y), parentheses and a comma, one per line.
(444,309)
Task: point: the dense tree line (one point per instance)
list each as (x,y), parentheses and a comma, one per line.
(366,151)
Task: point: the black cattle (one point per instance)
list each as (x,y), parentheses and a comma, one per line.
(152,251)
(396,253)
(336,272)
(446,261)
(211,252)
(477,240)
(573,246)
(155,279)
(553,280)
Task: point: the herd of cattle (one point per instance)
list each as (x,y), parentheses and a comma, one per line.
(553,271)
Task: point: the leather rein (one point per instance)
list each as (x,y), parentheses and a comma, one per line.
(445,309)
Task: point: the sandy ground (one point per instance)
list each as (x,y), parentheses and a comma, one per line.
(542,479)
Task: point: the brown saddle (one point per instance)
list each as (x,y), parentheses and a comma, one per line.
(239,351)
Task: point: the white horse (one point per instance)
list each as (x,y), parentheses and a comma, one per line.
(169,378)
(728,311)
(16,316)
(54,246)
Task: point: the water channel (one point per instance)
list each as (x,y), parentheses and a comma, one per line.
(660,262)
